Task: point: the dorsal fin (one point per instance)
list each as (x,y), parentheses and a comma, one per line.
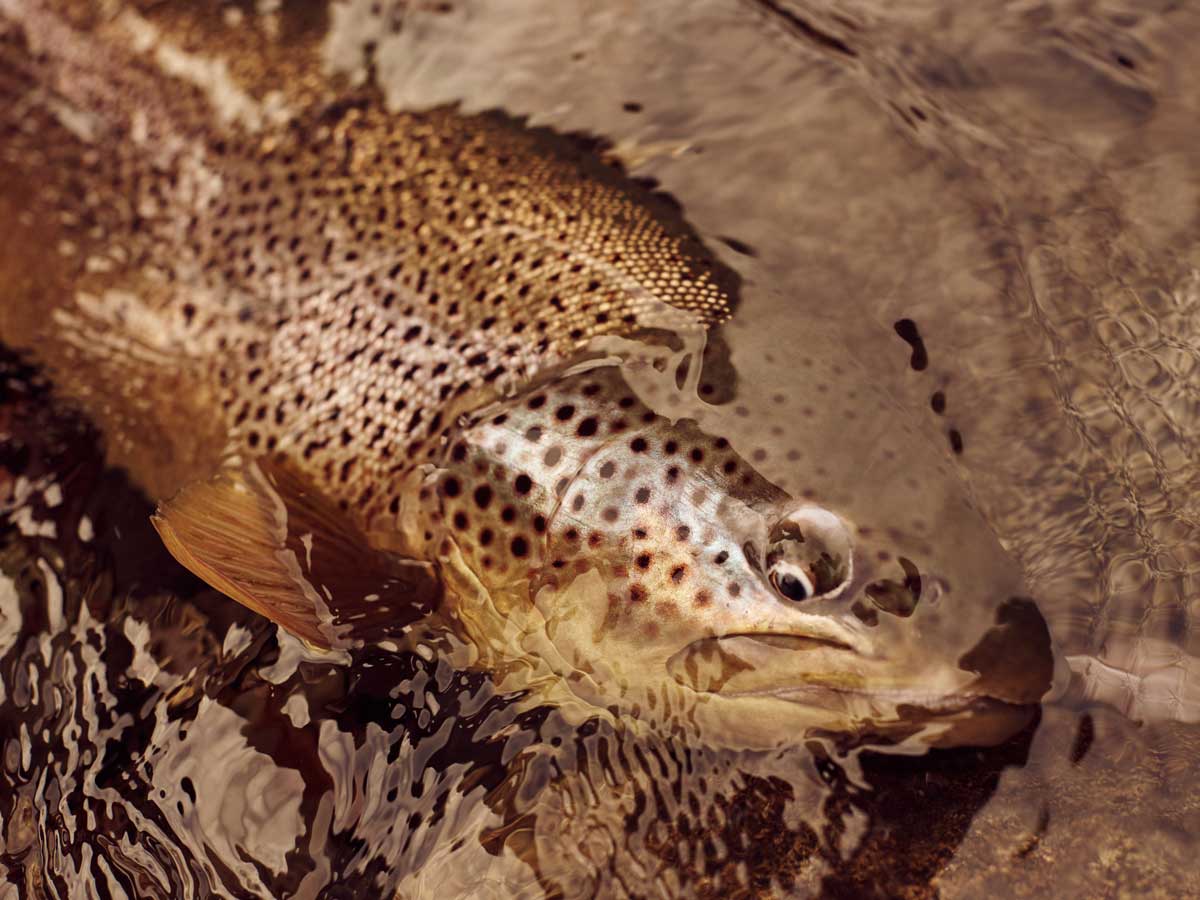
(258,533)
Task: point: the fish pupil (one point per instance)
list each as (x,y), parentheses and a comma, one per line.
(792,587)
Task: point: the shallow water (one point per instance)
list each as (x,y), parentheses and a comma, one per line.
(1016,180)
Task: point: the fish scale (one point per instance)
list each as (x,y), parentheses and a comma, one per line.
(365,225)
(464,296)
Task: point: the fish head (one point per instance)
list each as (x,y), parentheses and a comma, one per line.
(663,575)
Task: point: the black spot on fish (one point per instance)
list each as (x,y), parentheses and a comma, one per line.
(801,27)
(938,402)
(738,246)
(907,329)
(1084,737)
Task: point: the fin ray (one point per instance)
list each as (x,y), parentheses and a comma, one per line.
(257,533)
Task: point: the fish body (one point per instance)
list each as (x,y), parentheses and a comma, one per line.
(406,345)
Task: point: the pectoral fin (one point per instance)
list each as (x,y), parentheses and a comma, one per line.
(256,532)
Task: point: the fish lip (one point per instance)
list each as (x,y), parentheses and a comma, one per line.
(939,704)
(790,640)
(909,704)
(820,632)
(786,640)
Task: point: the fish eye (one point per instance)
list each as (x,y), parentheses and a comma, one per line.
(800,579)
(792,582)
(810,555)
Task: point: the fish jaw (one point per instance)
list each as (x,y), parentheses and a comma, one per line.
(766,688)
(770,683)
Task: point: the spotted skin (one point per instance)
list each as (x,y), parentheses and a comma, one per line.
(338,281)
(396,306)
(543,486)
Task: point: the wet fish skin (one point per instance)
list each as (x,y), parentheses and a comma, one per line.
(342,287)
(413,231)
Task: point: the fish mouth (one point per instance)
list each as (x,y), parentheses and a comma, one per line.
(817,670)
(927,702)
(781,641)
(751,663)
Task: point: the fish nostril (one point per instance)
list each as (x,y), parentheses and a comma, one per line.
(898,597)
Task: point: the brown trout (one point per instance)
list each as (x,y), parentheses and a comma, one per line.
(372,361)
